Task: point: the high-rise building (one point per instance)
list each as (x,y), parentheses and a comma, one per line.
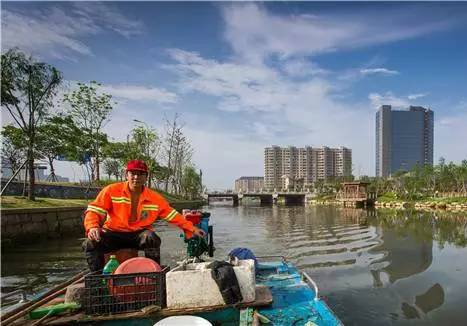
(403,139)
(249,184)
(292,165)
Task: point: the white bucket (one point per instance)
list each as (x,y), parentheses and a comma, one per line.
(183,321)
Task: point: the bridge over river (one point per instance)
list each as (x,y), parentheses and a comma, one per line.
(353,194)
(264,197)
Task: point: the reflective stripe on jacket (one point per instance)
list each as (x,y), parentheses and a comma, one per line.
(112,210)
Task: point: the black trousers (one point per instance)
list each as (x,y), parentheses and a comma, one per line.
(110,241)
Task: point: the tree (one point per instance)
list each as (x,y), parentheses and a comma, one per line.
(118,151)
(191,183)
(117,154)
(177,152)
(145,146)
(13,146)
(28,88)
(182,158)
(57,137)
(170,131)
(90,111)
(113,167)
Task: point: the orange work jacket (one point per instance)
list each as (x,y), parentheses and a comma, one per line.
(112,210)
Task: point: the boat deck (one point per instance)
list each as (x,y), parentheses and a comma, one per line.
(294,301)
(263,298)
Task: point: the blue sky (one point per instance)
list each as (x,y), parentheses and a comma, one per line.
(247,75)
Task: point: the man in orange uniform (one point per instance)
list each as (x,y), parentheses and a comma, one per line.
(122,216)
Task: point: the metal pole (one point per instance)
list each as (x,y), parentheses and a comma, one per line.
(13,176)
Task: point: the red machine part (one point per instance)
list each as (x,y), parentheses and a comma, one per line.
(194,217)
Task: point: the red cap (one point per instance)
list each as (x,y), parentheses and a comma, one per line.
(138,165)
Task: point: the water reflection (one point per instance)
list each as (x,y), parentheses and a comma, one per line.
(432,299)
(404,255)
(407,244)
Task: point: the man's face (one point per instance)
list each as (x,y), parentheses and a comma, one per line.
(136,178)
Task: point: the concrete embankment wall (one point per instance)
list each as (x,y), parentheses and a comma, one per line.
(52,191)
(35,224)
(20,226)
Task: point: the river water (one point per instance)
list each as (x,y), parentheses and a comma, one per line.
(373,267)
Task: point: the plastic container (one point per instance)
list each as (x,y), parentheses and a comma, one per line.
(138,265)
(128,292)
(194,286)
(142,288)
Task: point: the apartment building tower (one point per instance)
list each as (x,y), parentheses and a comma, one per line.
(249,184)
(404,138)
(306,165)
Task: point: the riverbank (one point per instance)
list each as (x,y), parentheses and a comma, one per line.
(450,203)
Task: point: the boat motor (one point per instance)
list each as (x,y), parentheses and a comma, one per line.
(197,246)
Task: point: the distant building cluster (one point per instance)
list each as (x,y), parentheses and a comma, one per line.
(291,166)
(249,184)
(404,139)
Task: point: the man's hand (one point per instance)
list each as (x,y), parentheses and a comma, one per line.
(94,234)
(199,232)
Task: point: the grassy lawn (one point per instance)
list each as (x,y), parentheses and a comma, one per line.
(23,202)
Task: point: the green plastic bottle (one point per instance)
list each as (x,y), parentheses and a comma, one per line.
(111,266)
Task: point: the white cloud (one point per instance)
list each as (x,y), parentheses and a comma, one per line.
(382,71)
(255,33)
(283,111)
(109,18)
(450,134)
(416,96)
(140,93)
(225,156)
(239,87)
(58,30)
(303,68)
(388,98)
(39,35)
